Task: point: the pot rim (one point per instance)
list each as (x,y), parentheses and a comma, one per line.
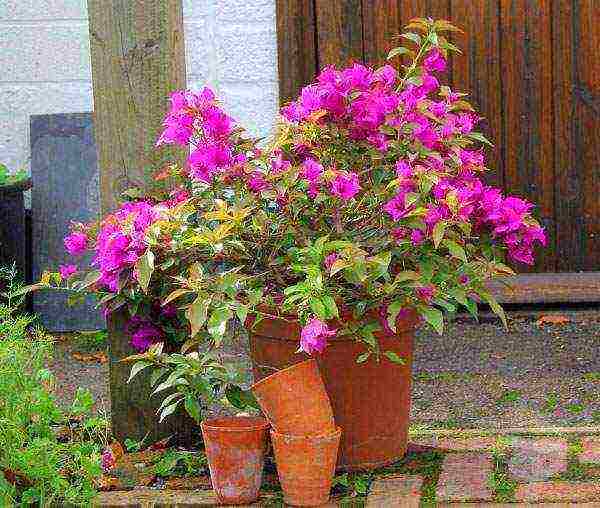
(298,437)
(235,423)
(281,371)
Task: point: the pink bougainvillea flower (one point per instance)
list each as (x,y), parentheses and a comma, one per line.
(108,462)
(426,293)
(76,243)
(208,159)
(143,333)
(345,186)
(278,163)
(435,61)
(311,170)
(417,237)
(463,279)
(314,336)
(400,233)
(67,271)
(330,259)
(257,182)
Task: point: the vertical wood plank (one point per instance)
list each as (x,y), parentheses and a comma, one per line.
(340,36)
(297,56)
(526,59)
(137,60)
(576,134)
(587,110)
(477,72)
(381,22)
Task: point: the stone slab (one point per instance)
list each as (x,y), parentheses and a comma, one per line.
(475,444)
(64,171)
(395,491)
(591,450)
(535,460)
(465,477)
(567,492)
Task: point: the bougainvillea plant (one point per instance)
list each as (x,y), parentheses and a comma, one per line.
(369,199)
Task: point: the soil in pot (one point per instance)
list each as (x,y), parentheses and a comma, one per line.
(235,449)
(305,466)
(294,400)
(370,400)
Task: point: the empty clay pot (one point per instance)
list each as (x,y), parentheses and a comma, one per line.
(295,402)
(305,466)
(235,449)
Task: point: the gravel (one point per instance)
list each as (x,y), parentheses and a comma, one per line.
(476,375)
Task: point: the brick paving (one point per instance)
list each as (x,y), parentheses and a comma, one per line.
(572,492)
(591,450)
(465,477)
(395,491)
(537,459)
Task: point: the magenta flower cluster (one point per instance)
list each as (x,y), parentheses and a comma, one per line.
(195,119)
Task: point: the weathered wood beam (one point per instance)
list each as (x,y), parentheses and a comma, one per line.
(582,287)
(137,50)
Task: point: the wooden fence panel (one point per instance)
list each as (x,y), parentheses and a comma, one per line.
(297,55)
(531,69)
(527,90)
(339,31)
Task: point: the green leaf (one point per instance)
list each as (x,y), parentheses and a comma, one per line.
(192,406)
(137,368)
(398,51)
(168,410)
(338,264)
(456,250)
(438,233)
(363,357)
(145,267)
(393,310)
(495,306)
(242,312)
(318,308)
(434,317)
(480,137)
(196,313)
(411,36)
(395,358)
(330,306)
(217,323)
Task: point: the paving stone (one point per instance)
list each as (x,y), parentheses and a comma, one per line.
(571,492)
(395,491)
(465,477)
(591,450)
(535,460)
(474,444)
(514,505)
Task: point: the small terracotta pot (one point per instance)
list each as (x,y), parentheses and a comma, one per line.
(295,402)
(235,449)
(305,466)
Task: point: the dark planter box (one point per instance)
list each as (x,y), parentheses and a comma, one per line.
(13,228)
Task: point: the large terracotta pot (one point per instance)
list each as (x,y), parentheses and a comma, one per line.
(371,401)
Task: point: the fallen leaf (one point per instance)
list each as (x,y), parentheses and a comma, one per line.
(552,319)
(106,483)
(99,357)
(163,444)
(117,450)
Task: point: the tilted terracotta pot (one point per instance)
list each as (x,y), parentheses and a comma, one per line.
(371,401)
(305,466)
(294,400)
(235,449)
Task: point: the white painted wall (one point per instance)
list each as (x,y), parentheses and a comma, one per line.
(45,62)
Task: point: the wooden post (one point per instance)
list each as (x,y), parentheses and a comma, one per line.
(137,51)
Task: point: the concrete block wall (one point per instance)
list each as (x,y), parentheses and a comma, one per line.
(45,63)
